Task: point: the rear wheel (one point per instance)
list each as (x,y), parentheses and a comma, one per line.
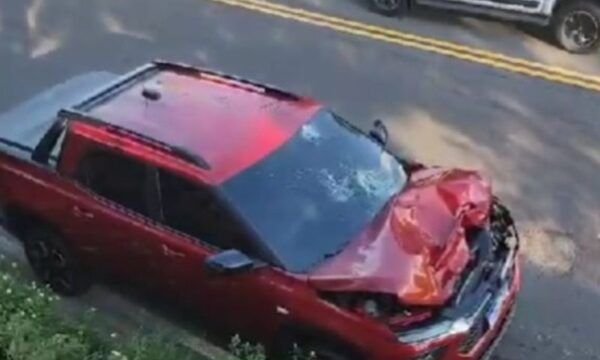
(389,7)
(53,263)
(577,27)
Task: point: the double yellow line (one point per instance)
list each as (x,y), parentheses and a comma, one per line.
(495,60)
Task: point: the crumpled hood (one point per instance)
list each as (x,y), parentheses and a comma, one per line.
(416,247)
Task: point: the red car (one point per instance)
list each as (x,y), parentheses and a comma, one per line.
(262,211)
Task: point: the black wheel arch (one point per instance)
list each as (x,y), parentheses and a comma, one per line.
(18,220)
(406,6)
(558,5)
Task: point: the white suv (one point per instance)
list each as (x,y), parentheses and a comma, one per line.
(575,23)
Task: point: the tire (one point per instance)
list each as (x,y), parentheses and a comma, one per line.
(577,27)
(53,263)
(389,7)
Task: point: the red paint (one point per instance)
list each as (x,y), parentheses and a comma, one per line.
(231,127)
(415,249)
(390,351)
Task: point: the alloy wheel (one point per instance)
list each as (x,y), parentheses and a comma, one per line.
(50,265)
(582,28)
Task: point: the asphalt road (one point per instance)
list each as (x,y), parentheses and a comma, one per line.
(513,39)
(538,140)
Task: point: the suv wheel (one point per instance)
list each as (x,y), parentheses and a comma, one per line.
(53,264)
(389,7)
(577,27)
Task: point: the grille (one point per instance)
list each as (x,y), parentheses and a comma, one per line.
(478,271)
(476,332)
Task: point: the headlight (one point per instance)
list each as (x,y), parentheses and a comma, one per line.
(372,308)
(444,328)
(377,306)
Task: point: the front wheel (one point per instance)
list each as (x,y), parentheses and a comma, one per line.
(389,7)
(577,27)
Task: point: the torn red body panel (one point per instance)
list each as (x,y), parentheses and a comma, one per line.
(416,248)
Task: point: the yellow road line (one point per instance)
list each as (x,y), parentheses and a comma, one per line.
(495,60)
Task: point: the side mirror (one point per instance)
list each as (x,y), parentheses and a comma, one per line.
(228,262)
(379,132)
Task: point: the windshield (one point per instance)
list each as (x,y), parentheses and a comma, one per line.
(311,197)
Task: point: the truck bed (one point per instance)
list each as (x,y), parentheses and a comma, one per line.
(22,127)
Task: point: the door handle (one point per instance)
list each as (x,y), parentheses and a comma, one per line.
(81,213)
(167,251)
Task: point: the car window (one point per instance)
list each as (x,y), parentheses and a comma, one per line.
(196,211)
(57,148)
(116,178)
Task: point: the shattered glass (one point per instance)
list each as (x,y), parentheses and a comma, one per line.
(312,196)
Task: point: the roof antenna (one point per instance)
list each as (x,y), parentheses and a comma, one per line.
(151,93)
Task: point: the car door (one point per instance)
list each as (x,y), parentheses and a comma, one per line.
(113,213)
(192,232)
(202,226)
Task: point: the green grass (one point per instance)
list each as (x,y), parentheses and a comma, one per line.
(32,328)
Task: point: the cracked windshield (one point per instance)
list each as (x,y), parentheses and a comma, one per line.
(329,179)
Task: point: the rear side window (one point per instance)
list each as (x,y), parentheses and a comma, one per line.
(197,212)
(116,178)
(57,148)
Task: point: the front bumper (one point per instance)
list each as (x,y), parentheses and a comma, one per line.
(486,344)
(498,313)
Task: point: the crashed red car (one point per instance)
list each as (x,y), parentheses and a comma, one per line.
(262,211)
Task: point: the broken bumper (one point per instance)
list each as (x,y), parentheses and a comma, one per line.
(471,337)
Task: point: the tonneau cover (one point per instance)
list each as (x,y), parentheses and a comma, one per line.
(25,125)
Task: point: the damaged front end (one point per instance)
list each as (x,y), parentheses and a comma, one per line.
(476,304)
(482,292)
